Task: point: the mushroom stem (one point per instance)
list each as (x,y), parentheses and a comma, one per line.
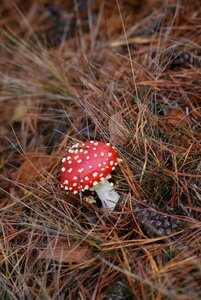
(107,194)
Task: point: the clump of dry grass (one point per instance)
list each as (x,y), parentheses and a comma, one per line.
(121,71)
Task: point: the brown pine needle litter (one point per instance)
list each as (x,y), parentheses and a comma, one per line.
(120,71)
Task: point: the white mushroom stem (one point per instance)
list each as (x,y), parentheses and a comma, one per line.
(107,194)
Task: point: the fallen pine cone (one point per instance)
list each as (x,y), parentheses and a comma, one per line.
(183,60)
(155,223)
(118,291)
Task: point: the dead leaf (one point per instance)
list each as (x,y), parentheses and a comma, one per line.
(5,203)
(61,250)
(177,118)
(118,131)
(35,166)
(19,113)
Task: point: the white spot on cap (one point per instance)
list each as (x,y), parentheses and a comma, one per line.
(115,164)
(62,186)
(74,184)
(65,181)
(95,174)
(113,168)
(95,155)
(70,188)
(86,187)
(70,170)
(94,148)
(87,157)
(95,183)
(76,151)
(69,162)
(86,178)
(91,142)
(63,159)
(109,154)
(102,179)
(80,170)
(104,163)
(81,150)
(76,157)
(66,188)
(71,151)
(102,169)
(102,154)
(75,192)
(90,167)
(75,178)
(96,143)
(79,161)
(111,163)
(83,144)
(101,175)
(99,164)
(108,144)
(63,169)
(85,152)
(81,180)
(68,157)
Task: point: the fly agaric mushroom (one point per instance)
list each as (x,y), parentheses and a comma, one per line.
(88,166)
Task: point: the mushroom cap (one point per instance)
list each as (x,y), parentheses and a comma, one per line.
(86,164)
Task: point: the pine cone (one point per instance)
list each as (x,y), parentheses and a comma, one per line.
(180,60)
(118,291)
(183,60)
(155,223)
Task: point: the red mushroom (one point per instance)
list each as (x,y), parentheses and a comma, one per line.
(87,166)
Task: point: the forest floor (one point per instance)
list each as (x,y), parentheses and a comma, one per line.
(127,72)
